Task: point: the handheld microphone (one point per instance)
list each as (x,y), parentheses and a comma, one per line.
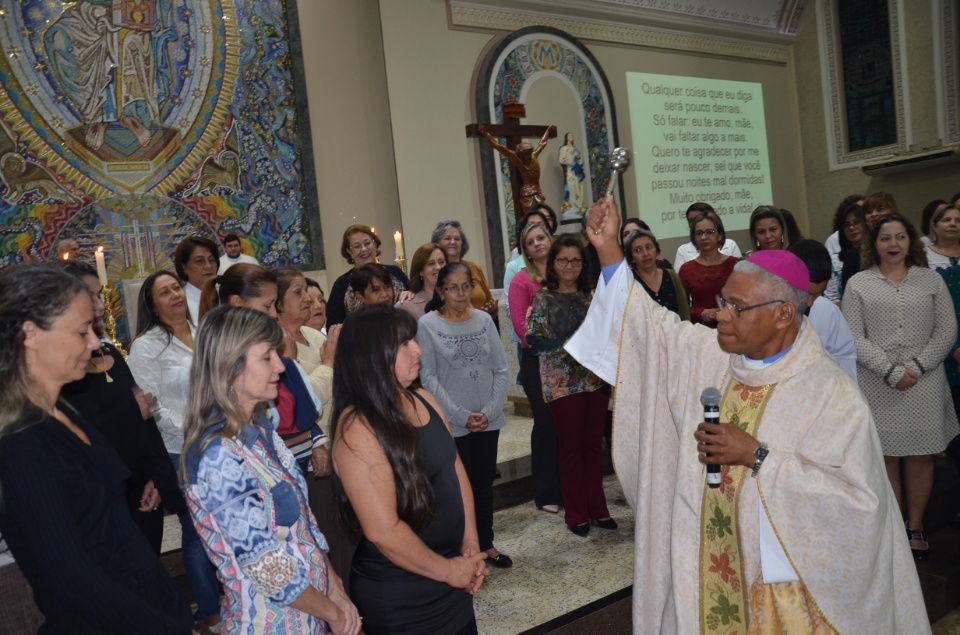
(710,398)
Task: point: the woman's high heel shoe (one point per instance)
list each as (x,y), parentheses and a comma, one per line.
(918,543)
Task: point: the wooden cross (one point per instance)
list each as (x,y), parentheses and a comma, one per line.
(514,133)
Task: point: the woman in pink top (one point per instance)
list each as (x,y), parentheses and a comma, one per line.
(535,241)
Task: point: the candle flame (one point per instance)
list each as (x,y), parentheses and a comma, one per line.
(396,235)
(100,249)
(66,256)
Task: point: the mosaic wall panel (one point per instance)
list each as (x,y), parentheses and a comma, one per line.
(133,123)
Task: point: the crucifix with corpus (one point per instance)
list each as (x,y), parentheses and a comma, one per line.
(525,166)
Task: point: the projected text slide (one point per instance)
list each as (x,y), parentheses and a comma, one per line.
(697,140)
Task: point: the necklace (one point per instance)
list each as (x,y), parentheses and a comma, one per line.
(896,280)
(103,366)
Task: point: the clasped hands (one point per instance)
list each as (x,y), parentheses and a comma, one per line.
(909,380)
(469,569)
(725,444)
(477,422)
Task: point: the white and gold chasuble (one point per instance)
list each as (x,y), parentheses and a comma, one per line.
(823,487)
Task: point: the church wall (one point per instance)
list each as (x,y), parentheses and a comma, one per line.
(350,119)
(912,190)
(430,75)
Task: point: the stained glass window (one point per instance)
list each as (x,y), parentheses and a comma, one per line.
(867,73)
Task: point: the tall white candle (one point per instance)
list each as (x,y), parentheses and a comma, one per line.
(136,230)
(398,239)
(101,266)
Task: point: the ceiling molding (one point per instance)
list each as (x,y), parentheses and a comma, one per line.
(605,26)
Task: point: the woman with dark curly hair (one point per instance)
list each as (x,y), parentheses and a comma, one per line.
(903,321)
(848,228)
(874,206)
(576,398)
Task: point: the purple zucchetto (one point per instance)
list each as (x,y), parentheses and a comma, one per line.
(783,264)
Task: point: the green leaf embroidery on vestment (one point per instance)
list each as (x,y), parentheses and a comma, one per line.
(721,522)
(727,612)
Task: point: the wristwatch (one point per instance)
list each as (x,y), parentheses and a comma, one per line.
(758,457)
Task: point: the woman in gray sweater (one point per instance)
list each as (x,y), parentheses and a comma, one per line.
(464,365)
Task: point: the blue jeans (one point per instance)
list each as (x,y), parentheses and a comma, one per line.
(201,573)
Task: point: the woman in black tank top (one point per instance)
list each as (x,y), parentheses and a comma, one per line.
(401,483)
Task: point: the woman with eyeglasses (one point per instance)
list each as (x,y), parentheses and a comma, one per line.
(704,276)
(463,365)
(848,229)
(576,398)
(360,246)
(196,260)
(874,206)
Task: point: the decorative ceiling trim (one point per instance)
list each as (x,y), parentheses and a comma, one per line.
(780,16)
(468,14)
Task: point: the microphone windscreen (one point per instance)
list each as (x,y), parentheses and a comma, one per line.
(710,397)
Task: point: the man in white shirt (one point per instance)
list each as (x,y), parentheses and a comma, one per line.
(233,254)
(688,251)
(824,315)
(801,530)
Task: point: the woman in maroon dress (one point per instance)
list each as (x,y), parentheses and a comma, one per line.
(704,277)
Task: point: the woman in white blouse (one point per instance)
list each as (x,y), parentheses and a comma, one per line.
(160,359)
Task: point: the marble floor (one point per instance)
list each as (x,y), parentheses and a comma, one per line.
(554,571)
(949,625)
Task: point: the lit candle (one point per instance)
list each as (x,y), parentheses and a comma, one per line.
(101,266)
(66,256)
(374,230)
(397,238)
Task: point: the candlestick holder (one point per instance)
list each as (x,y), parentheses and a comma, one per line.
(402,263)
(111,303)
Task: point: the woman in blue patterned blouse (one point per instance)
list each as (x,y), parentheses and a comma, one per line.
(247,497)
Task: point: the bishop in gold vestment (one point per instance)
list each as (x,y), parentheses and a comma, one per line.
(814,543)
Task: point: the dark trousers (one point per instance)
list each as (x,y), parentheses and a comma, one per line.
(543,438)
(579,420)
(478,453)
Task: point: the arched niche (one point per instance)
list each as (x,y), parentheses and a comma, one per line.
(561,83)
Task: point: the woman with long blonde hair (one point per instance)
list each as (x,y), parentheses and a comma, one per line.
(247,497)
